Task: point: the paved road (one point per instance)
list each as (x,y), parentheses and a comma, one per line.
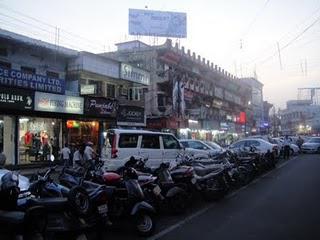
(284,204)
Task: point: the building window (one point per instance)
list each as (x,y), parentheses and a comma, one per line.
(28,70)
(134,94)
(5,65)
(4,52)
(111,90)
(52,74)
(98,86)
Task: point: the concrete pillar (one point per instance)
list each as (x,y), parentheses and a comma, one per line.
(8,139)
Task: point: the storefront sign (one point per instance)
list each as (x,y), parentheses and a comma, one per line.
(15,78)
(131,116)
(134,74)
(88,89)
(46,102)
(11,98)
(99,107)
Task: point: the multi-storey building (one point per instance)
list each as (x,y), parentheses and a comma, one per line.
(300,116)
(256,105)
(187,94)
(51,95)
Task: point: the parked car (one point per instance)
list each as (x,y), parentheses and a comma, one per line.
(311,146)
(158,147)
(197,147)
(294,149)
(261,145)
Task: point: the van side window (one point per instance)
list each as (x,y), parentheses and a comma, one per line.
(170,142)
(128,140)
(150,141)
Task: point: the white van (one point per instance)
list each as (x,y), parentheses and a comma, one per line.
(158,147)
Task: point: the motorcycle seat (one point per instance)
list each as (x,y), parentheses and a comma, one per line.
(12,217)
(73,172)
(200,171)
(51,204)
(209,175)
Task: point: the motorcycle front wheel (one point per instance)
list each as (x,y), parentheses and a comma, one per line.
(144,224)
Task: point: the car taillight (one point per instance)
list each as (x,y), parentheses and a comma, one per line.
(114,149)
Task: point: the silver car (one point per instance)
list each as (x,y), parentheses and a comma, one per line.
(311,146)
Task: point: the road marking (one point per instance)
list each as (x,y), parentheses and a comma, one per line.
(202,211)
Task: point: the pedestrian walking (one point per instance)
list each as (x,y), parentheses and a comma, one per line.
(286,145)
(300,142)
(65,154)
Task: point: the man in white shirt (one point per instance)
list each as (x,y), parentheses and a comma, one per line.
(65,152)
(286,145)
(89,151)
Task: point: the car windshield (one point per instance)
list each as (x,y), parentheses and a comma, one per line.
(314,140)
(213,145)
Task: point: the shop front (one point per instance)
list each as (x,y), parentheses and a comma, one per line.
(12,103)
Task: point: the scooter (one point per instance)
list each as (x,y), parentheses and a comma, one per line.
(30,223)
(88,202)
(159,186)
(126,200)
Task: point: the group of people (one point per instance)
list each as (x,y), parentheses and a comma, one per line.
(84,153)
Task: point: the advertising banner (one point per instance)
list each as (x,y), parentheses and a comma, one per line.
(15,78)
(46,102)
(100,107)
(17,99)
(131,116)
(157,23)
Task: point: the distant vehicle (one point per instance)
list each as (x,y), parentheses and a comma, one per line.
(198,147)
(261,145)
(311,146)
(294,149)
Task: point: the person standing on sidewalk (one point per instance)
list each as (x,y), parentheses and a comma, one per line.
(286,145)
(65,153)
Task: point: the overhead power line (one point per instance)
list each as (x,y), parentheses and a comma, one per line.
(271,46)
(291,41)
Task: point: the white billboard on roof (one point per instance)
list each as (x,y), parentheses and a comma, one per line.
(157,23)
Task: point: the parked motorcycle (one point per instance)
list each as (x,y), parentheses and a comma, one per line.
(30,223)
(126,200)
(160,189)
(209,181)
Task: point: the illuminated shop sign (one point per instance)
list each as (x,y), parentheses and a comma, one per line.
(15,78)
(46,102)
(134,74)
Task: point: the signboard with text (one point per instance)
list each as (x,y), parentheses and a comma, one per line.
(99,107)
(15,78)
(157,23)
(131,116)
(134,74)
(46,102)
(17,99)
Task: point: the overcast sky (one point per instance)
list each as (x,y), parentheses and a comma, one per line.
(215,29)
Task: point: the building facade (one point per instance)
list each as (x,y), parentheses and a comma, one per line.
(256,108)
(300,117)
(187,95)
(50,95)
